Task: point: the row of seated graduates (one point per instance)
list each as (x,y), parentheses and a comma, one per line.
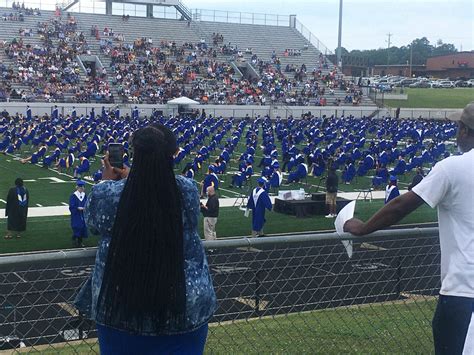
(321,140)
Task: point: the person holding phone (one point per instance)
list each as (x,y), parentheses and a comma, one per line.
(116,155)
(151,291)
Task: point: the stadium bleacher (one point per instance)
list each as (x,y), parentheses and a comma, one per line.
(270,44)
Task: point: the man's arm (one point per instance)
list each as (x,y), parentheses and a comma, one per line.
(391,213)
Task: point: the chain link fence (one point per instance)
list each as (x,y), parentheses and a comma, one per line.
(282,294)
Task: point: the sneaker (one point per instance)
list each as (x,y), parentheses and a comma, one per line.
(328,216)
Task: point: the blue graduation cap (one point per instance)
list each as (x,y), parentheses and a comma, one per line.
(80,183)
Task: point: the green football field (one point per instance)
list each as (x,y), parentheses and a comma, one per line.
(47,233)
(434,98)
(49,187)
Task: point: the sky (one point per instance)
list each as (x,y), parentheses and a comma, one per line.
(366,23)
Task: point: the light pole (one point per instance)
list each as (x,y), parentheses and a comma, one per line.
(339,36)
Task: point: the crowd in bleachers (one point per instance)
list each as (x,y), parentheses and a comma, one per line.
(49,69)
(144,72)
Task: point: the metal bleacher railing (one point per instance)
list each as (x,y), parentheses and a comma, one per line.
(306,33)
(299,293)
(249,18)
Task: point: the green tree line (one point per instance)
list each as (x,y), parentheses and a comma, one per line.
(422,49)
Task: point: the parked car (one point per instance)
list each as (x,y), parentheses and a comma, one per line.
(420,84)
(406,82)
(461,84)
(384,87)
(446,84)
(470,83)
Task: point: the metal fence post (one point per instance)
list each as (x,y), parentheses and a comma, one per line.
(257,293)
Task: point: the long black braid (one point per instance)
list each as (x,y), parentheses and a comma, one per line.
(144,275)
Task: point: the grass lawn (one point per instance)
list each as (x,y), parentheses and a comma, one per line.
(48,187)
(434,98)
(399,327)
(378,328)
(48,233)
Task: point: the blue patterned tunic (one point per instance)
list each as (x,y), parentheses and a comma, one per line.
(100,214)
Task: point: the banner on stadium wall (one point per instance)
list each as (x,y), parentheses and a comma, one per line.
(151,2)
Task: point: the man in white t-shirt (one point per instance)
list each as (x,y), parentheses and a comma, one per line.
(449,187)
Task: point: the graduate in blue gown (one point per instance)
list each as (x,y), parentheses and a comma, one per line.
(391,191)
(300,173)
(66,162)
(277,177)
(55,113)
(210,179)
(83,167)
(29,116)
(258,202)
(188,171)
(135,113)
(36,156)
(77,202)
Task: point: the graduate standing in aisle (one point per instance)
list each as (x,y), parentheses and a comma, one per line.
(77,202)
(29,116)
(16,209)
(258,202)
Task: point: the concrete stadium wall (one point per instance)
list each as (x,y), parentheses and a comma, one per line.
(237,111)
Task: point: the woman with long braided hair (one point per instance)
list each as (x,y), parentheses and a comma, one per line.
(151,291)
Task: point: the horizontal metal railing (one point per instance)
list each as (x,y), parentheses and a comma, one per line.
(286,293)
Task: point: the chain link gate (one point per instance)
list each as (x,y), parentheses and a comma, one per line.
(286,294)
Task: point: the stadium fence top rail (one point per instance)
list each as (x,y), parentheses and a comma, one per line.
(300,293)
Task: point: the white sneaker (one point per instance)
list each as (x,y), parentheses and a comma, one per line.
(328,216)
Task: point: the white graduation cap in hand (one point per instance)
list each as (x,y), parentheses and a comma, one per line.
(343,216)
